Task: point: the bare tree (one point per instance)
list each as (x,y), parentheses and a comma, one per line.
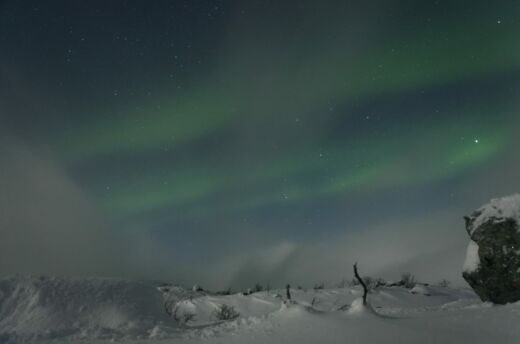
(288,291)
(360,280)
(258,288)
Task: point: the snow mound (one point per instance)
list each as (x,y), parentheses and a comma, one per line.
(497,210)
(358,308)
(43,308)
(421,289)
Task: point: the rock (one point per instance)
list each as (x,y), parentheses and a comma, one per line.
(492,266)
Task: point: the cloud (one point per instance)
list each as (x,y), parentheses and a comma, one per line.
(432,248)
(47,224)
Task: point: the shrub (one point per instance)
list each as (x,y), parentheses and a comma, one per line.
(319,286)
(370,282)
(444,283)
(342,284)
(408,280)
(225,312)
(197,288)
(380,282)
(225,292)
(353,283)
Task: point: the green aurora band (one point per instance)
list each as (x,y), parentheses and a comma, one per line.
(301,86)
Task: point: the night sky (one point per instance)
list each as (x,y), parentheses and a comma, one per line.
(234,142)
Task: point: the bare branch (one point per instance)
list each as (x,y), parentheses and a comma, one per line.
(360,280)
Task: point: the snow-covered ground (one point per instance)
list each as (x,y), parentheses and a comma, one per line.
(55,310)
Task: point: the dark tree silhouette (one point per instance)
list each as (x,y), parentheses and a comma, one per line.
(288,289)
(360,280)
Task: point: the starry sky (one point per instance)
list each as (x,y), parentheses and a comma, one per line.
(230,142)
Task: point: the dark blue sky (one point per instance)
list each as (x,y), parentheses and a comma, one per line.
(225,141)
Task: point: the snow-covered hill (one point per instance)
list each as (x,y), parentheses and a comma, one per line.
(45,308)
(102,310)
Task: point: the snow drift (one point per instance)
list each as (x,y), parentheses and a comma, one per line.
(45,308)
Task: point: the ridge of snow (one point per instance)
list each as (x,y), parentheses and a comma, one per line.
(357,307)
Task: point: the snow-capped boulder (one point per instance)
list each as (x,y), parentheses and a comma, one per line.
(492,266)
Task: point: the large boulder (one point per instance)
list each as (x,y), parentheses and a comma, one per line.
(492,266)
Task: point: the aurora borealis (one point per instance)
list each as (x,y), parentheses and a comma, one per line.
(202,134)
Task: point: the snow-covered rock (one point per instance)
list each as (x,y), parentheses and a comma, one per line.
(492,266)
(496,211)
